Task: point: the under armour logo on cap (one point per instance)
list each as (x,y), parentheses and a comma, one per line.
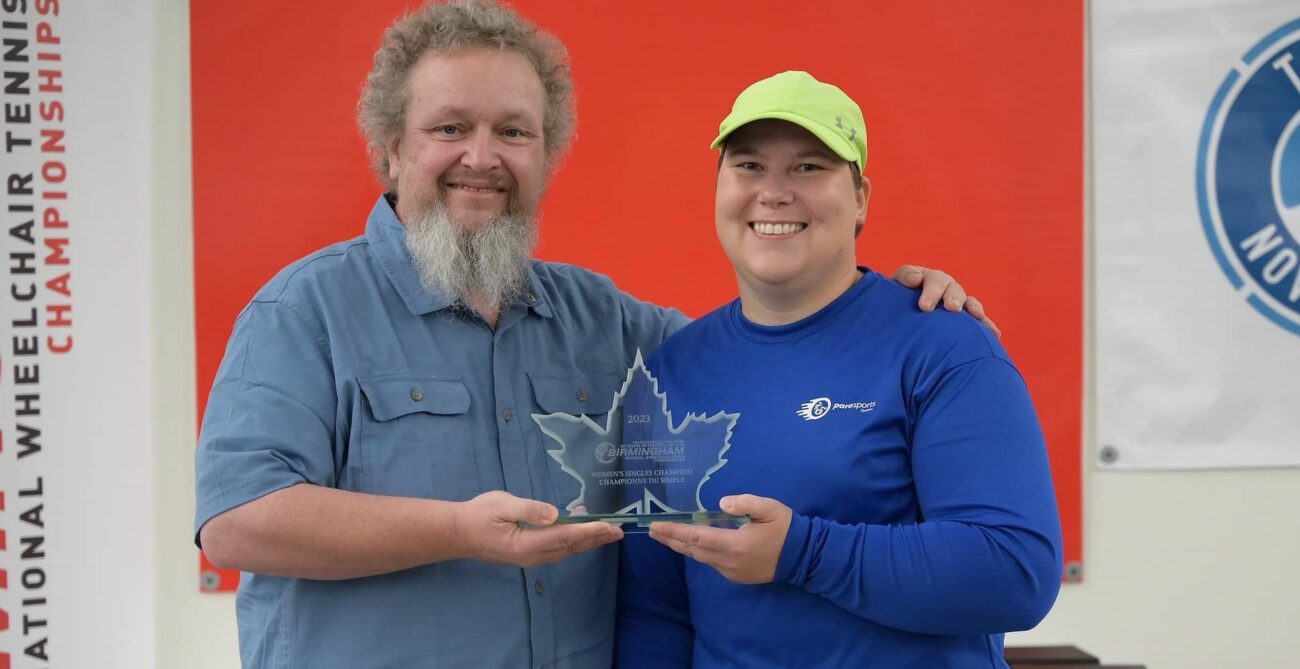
(853,132)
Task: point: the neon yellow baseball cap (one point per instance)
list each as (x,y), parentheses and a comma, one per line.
(794,96)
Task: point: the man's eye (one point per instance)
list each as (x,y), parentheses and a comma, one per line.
(513,133)
(446,130)
(749,166)
(808,167)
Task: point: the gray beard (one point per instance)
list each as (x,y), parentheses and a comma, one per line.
(487,267)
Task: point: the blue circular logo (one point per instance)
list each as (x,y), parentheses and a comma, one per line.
(1248,176)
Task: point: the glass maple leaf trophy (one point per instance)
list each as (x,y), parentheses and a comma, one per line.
(640,467)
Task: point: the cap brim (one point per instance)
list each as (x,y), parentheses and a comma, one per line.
(833,140)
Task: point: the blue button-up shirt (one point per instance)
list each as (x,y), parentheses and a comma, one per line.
(345,372)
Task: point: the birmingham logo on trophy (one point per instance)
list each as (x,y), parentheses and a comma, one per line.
(1248,176)
(639,467)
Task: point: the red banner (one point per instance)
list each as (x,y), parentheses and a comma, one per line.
(974,113)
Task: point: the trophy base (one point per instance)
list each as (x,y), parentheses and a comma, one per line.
(640,522)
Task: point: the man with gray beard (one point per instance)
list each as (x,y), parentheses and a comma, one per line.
(366,456)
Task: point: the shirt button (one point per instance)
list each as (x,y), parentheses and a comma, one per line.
(507,414)
(417,394)
(582,394)
(537,585)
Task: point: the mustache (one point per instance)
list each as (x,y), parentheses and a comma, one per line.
(514,206)
(489,179)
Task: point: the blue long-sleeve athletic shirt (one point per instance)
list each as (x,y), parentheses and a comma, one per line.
(925,523)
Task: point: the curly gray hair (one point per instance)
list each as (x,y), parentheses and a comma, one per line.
(457,24)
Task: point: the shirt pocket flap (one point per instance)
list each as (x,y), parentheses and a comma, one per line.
(400,395)
(577,394)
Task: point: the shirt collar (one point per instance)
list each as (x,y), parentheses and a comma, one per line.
(387,236)
(536,298)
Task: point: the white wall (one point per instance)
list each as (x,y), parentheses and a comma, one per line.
(194,630)
(1184,570)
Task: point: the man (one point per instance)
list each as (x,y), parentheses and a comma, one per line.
(916,521)
(365,455)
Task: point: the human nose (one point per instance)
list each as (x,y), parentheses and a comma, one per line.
(481,153)
(775,192)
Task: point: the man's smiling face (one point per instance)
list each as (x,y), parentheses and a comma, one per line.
(473,140)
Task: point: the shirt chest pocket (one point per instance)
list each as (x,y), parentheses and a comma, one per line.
(590,395)
(414,438)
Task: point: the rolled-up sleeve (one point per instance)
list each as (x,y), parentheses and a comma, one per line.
(647,325)
(270,418)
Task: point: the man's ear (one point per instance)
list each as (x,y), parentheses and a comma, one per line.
(392,157)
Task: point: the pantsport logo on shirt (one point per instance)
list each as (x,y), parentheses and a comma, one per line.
(820,407)
(1248,176)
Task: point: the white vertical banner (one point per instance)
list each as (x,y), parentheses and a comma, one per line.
(76,484)
(1196,105)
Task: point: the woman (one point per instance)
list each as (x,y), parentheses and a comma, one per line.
(901,504)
